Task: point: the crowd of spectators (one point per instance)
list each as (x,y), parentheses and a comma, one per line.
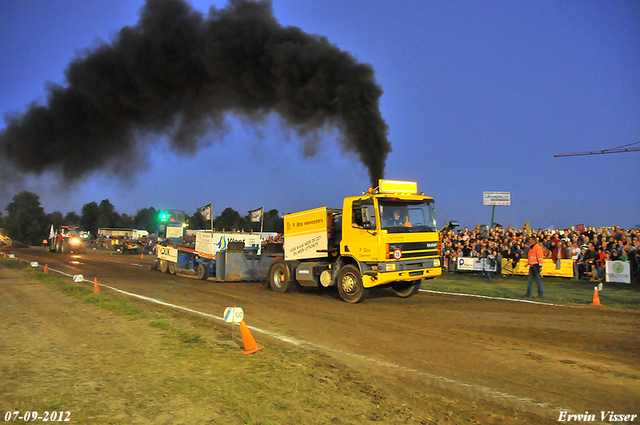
(589,249)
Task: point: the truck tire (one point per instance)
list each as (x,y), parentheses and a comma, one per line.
(171,267)
(58,247)
(202,272)
(350,285)
(406,289)
(280,277)
(64,248)
(163,266)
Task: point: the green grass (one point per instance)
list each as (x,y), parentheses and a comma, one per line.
(558,290)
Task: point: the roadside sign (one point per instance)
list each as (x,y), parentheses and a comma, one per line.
(233,315)
(78,278)
(34,264)
(496,198)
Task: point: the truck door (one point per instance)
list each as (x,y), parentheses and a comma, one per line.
(359,238)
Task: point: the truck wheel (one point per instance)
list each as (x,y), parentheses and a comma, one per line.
(280,277)
(163,266)
(406,289)
(350,285)
(58,247)
(64,249)
(171,266)
(202,272)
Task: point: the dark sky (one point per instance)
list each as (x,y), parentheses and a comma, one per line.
(476,96)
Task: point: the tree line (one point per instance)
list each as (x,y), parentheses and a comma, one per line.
(28,223)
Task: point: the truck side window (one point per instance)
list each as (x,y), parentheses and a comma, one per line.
(358,219)
(356,215)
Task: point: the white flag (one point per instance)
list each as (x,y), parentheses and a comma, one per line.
(51,233)
(256,215)
(206,211)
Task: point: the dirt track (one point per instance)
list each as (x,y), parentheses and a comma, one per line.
(533,357)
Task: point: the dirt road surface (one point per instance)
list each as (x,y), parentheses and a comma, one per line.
(538,358)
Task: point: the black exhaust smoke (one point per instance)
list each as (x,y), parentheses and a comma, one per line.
(179,73)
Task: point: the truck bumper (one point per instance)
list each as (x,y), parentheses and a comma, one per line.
(405,271)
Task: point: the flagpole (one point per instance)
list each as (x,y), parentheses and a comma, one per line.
(261,224)
(211,215)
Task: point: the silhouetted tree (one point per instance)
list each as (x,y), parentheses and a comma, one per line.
(72,219)
(89,218)
(56,219)
(273,222)
(26,221)
(197,222)
(231,220)
(146,219)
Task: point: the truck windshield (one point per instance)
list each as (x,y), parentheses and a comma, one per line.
(398,216)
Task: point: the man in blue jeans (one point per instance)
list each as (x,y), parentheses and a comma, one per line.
(536,260)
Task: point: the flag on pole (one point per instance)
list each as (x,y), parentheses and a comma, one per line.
(52,234)
(206,211)
(256,215)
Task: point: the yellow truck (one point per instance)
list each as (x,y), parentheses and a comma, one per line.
(385,238)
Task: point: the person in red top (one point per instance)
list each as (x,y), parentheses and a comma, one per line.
(536,259)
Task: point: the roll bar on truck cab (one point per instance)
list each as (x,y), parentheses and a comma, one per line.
(387,237)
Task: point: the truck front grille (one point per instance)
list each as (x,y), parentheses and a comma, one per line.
(415,249)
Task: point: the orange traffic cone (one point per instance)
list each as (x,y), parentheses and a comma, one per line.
(596,297)
(46,268)
(19,260)
(96,287)
(142,256)
(250,344)
(5,254)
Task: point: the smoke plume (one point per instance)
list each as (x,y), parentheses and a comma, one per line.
(179,73)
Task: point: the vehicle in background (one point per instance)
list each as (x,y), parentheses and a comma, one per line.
(68,239)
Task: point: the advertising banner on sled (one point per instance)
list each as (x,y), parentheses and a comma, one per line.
(618,271)
(208,244)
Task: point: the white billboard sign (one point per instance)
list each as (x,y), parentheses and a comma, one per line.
(476,264)
(618,271)
(496,198)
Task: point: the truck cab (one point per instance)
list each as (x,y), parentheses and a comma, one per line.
(386,237)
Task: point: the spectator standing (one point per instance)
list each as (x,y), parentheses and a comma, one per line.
(536,260)
(575,255)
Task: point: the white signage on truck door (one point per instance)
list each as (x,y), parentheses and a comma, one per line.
(496,198)
(305,234)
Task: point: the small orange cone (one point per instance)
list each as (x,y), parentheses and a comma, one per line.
(46,268)
(96,287)
(19,260)
(250,344)
(142,256)
(596,297)
(5,254)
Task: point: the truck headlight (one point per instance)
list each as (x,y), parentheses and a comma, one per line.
(390,267)
(74,241)
(436,262)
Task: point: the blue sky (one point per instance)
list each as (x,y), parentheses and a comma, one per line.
(478,96)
